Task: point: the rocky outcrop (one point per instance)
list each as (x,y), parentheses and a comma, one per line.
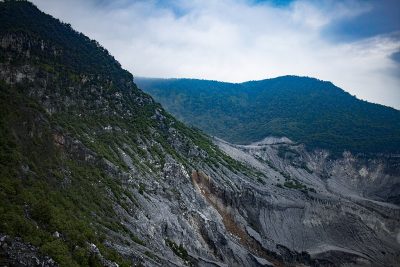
(162,194)
(15,252)
(320,206)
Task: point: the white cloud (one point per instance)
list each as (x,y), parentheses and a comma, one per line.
(234,40)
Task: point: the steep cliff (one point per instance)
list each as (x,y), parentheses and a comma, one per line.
(95,173)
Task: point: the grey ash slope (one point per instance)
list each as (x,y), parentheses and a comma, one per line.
(319,205)
(94,172)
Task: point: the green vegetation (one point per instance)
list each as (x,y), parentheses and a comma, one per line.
(137,240)
(142,188)
(151,255)
(80,93)
(179,250)
(306,110)
(45,188)
(304,166)
(286,152)
(42,192)
(72,51)
(294,184)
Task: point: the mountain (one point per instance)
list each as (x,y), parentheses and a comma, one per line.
(82,146)
(306,110)
(94,172)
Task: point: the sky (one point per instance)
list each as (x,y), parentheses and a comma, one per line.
(353,43)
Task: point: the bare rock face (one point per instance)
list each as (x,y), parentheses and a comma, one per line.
(177,199)
(327,208)
(271,203)
(15,252)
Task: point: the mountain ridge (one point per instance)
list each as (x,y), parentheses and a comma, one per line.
(259,80)
(307,110)
(94,172)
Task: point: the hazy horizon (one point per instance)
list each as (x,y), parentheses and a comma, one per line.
(354,44)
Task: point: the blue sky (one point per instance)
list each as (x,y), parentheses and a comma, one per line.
(353,43)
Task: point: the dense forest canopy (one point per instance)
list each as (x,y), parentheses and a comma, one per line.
(307,110)
(72,51)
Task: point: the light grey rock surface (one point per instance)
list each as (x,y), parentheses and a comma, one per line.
(336,209)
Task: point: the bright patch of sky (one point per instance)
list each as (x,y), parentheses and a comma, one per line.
(353,43)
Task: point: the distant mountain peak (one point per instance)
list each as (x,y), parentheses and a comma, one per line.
(306,110)
(94,172)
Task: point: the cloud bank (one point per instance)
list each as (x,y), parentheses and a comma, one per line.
(240,40)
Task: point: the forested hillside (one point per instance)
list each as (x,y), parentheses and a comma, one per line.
(94,172)
(78,141)
(307,110)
